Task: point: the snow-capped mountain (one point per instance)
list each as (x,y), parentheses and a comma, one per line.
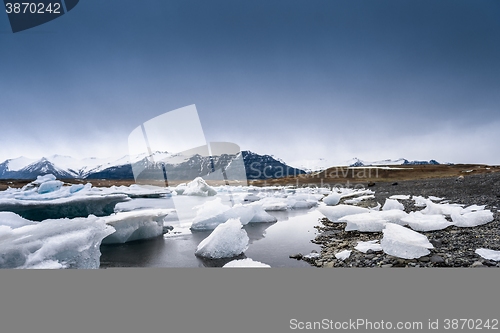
(257,166)
(356,162)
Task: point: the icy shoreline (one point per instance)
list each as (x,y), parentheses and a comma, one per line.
(453,246)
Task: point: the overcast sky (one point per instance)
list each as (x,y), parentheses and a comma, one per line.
(301,80)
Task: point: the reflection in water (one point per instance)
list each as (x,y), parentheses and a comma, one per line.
(133,254)
(256,231)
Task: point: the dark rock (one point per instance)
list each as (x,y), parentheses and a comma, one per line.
(395,183)
(297,256)
(437,259)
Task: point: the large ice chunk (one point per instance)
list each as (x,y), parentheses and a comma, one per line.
(488,254)
(421,222)
(365,222)
(472,219)
(336,212)
(227,240)
(13,220)
(199,187)
(247,262)
(404,243)
(69,207)
(135,225)
(62,243)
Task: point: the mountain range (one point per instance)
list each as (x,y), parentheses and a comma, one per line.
(256,166)
(65,167)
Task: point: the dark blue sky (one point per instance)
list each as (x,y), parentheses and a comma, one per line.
(297,79)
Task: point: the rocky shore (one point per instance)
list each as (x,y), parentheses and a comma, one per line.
(453,246)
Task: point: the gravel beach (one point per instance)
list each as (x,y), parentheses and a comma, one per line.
(453,246)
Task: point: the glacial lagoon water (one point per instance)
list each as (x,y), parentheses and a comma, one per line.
(270,243)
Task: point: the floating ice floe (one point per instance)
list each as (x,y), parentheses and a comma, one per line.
(488,254)
(472,219)
(273,204)
(433,198)
(47,198)
(135,225)
(426,222)
(227,240)
(251,197)
(138,191)
(373,245)
(343,255)
(196,187)
(400,197)
(261,216)
(214,212)
(70,207)
(247,262)
(391,204)
(404,243)
(62,243)
(334,213)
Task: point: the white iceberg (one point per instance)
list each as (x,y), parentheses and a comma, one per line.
(247,262)
(488,254)
(198,187)
(227,240)
(422,222)
(135,225)
(399,241)
(62,243)
(334,213)
(343,255)
(391,204)
(373,245)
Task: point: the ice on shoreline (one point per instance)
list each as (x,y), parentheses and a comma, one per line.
(334,213)
(373,245)
(343,255)
(399,241)
(488,254)
(425,222)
